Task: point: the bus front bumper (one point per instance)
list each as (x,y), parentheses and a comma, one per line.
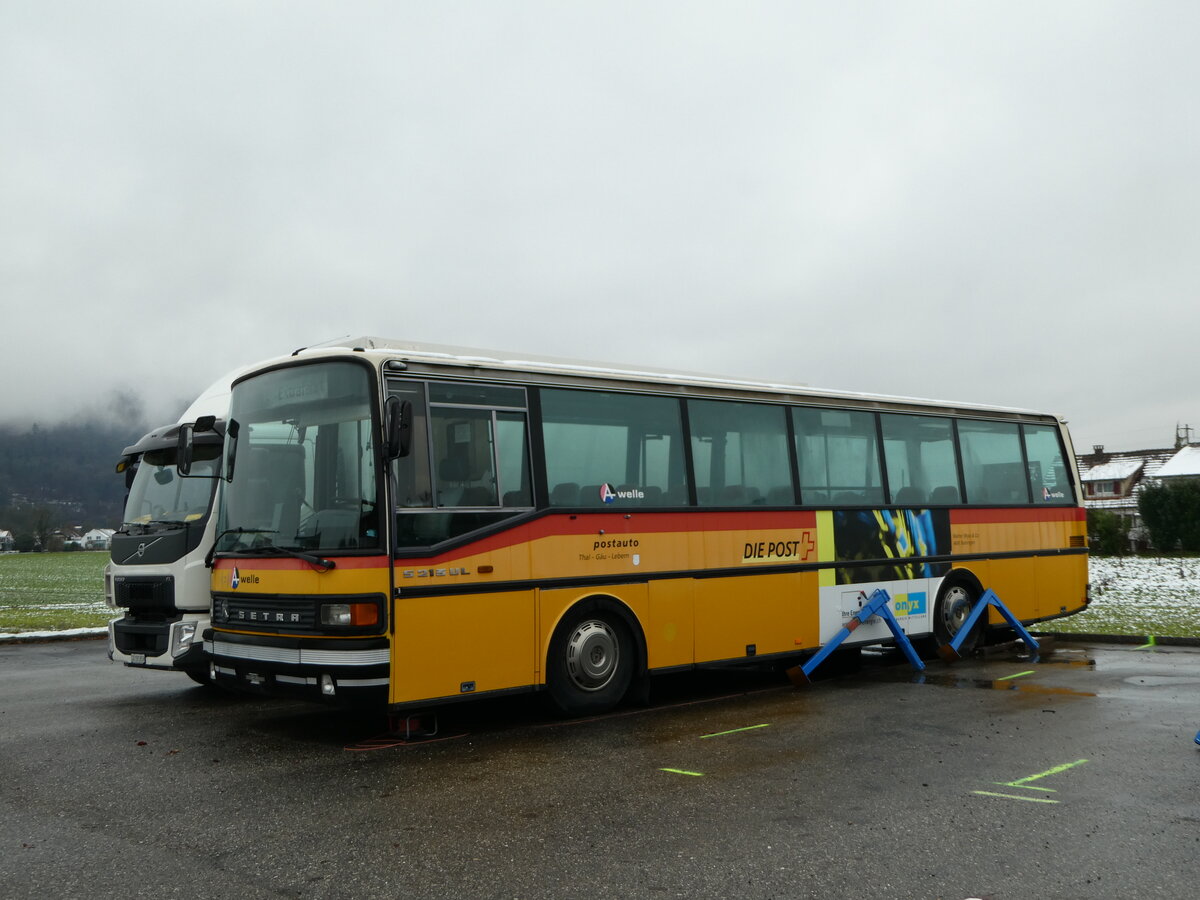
(348,671)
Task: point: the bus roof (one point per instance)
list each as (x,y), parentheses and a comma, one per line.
(448,355)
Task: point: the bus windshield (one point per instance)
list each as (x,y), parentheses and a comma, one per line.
(304,462)
(159,496)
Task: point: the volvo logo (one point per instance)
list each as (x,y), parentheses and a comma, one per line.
(140,552)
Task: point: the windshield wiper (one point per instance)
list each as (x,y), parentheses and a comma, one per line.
(269,547)
(208,557)
(145,526)
(312,559)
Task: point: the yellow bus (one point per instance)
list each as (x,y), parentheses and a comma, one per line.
(407,525)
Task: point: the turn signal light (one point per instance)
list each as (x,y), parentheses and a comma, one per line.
(364,614)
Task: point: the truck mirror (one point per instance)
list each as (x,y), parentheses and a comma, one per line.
(183,450)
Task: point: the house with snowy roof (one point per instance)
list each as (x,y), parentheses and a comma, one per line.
(7,540)
(1113,480)
(1184,464)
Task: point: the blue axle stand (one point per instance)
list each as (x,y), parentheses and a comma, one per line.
(877,605)
(949,652)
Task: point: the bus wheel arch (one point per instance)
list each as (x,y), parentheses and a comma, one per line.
(596,653)
(959,592)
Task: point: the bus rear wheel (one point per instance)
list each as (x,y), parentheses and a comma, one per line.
(591,662)
(956,600)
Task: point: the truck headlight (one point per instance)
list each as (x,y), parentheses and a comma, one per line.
(182,635)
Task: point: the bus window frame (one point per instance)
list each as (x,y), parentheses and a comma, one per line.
(505,514)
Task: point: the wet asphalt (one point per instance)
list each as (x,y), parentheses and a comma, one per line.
(1073,775)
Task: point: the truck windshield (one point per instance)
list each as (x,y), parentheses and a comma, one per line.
(159,497)
(304,474)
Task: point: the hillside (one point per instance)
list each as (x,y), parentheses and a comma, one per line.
(63,475)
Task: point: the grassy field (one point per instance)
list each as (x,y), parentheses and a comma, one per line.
(1158,596)
(52,591)
(1137,596)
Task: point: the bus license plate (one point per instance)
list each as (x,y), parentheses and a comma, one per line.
(137,659)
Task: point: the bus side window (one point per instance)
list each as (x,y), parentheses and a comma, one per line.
(465,453)
(992,464)
(838,455)
(919,453)
(624,450)
(1048,480)
(411,474)
(740,452)
(479,470)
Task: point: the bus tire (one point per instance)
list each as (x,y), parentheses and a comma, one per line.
(956,598)
(591,660)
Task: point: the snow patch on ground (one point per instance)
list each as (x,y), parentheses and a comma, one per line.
(52,635)
(1139,596)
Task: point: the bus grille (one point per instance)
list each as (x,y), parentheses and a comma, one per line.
(264,612)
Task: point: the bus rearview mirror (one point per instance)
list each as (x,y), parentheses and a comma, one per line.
(398,442)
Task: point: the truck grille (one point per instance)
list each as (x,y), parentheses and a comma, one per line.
(145,592)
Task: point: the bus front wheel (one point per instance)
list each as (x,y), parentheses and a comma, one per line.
(955,601)
(591,662)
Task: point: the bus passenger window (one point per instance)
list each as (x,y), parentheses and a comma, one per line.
(739,452)
(479,470)
(992,465)
(838,454)
(920,455)
(610,449)
(465,456)
(1048,480)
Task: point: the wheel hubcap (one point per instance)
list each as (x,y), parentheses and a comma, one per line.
(956,609)
(592,655)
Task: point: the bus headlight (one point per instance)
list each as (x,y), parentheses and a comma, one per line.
(182,635)
(349,614)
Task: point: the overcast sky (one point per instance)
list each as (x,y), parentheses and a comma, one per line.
(994,202)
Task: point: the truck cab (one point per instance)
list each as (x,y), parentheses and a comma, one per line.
(156,576)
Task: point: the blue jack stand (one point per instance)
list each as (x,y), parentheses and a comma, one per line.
(949,652)
(877,605)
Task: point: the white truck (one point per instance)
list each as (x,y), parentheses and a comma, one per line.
(156,575)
